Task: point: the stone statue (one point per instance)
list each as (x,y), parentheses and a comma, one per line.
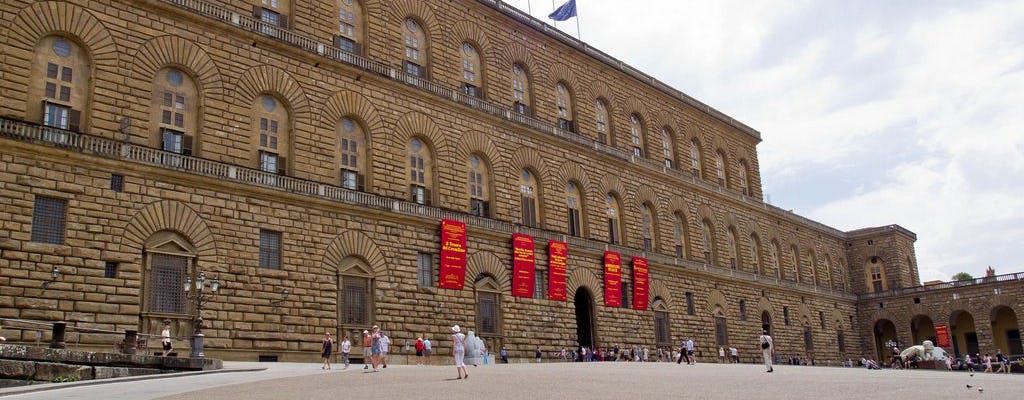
(474,349)
(921,352)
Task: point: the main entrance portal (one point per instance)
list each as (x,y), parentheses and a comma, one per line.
(584,318)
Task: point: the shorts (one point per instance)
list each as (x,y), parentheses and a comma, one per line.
(426,352)
(167,346)
(689,352)
(419,353)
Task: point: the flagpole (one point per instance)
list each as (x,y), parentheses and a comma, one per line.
(554,8)
(579,36)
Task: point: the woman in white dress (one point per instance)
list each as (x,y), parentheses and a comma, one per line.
(459,351)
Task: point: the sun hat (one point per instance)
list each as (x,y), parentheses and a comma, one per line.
(456,329)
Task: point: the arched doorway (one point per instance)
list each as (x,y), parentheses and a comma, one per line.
(766,322)
(885,331)
(584,318)
(922,328)
(965,336)
(1005,331)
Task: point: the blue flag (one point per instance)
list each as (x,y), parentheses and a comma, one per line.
(566,11)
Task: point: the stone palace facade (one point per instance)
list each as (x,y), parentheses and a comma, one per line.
(303,153)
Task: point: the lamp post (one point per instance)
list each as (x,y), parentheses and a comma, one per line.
(199,298)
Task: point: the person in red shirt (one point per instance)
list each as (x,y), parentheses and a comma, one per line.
(419,350)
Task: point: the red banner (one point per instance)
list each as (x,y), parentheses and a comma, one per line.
(612,279)
(453,255)
(640,283)
(558,254)
(523,266)
(942,336)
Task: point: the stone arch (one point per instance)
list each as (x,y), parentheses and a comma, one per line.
(482,262)
(611,183)
(663,118)
(169,215)
(534,68)
(764,306)
(704,213)
(571,171)
(422,12)
(415,124)
(645,194)
(803,314)
(351,104)
(268,79)
(601,90)
(717,305)
(632,105)
(170,50)
(478,142)
(659,289)
(527,158)
(580,277)
(468,30)
(355,244)
(560,72)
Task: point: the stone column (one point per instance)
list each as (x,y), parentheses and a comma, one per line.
(130,338)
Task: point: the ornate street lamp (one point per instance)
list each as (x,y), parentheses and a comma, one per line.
(199,298)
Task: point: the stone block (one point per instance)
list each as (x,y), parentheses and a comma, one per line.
(49,371)
(15,369)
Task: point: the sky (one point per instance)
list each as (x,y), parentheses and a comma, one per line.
(871,112)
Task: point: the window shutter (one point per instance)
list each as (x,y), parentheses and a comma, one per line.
(282,165)
(412,193)
(74,120)
(487,209)
(360,182)
(186,145)
(257,12)
(283,21)
(426,197)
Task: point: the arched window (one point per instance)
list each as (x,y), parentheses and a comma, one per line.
(707,238)
(679,234)
(350,26)
(471,72)
(828,271)
(59,86)
(744,179)
(730,238)
(614,212)
(478,183)
(416,49)
(662,334)
(529,206)
(272,129)
(352,154)
(566,107)
(636,135)
(812,260)
(695,166)
(794,259)
(421,172)
(573,207)
(356,288)
(488,306)
(602,121)
(720,167)
(773,258)
(174,111)
(647,226)
(521,95)
(667,151)
(755,253)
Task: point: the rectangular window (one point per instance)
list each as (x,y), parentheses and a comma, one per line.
(412,68)
(110,270)
(721,332)
(661,333)
(648,244)
(821,317)
(56,115)
(689,303)
(785,315)
(841,342)
(346,44)
(808,339)
(356,307)
(471,90)
(566,125)
(529,206)
(419,194)
(48,220)
(117,182)
(743,310)
(540,282)
(351,180)
(574,222)
(479,208)
(270,249)
(172,140)
(487,313)
(627,294)
(268,162)
(167,274)
(679,251)
(425,269)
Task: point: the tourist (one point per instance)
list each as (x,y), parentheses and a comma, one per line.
(987,360)
(367,356)
(690,359)
(735,354)
(536,354)
(419,350)
(969,361)
(1004,363)
(165,337)
(375,347)
(682,352)
(385,347)
(346,347)
(426,349)
(767,350)
(459,351)
(325,350)
(504,355)
(721,354)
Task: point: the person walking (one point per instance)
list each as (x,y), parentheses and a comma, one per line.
(721,354)
(690,359)
(326,348)
(346,347)
(767,350)
(1004,363)
(735,354)
(367,356)
(165,337)
(375,347)
(682,352)
(427,349)
(385,347)
(504,355)
(419,350)
(459,351)
(537,354)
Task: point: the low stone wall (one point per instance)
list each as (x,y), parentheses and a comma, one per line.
(21,365)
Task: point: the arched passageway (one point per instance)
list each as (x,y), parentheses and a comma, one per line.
(922,328)
(1005,331)
(885,332)
(965,336)
(584,318)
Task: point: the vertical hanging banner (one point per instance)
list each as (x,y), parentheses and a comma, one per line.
(942,336)
(523,265)
(640,283)
(452,274)
(558,254)
(612,279)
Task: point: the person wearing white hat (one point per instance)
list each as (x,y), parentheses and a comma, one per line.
(459,351)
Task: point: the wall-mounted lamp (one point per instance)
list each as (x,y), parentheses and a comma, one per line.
(54,275)
(284,297)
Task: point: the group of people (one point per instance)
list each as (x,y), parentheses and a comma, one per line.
(974,363)
(376,345)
